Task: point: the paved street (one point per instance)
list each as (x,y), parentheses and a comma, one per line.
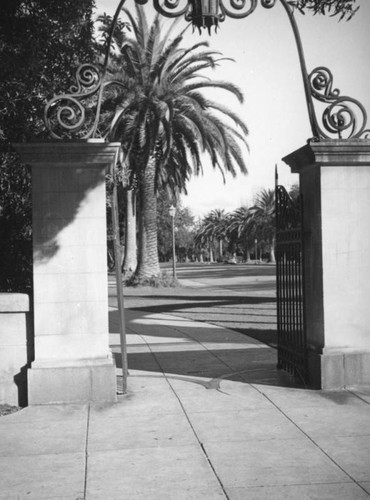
(258,279)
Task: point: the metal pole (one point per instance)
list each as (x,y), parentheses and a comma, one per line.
(119,287)
(255,251)
(105,64)
(173,249)
(302,61)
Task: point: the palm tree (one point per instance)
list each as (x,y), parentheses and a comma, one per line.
(165,123)
(203,239)
(212,228)
(240,231)
(262,220)
(215,227)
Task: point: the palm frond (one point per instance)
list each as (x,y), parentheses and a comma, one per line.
(227,112)
(230,87)
(183,53)
(152,41)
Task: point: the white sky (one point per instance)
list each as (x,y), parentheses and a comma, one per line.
(267,70)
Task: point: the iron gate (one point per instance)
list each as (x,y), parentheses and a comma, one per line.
(289,278)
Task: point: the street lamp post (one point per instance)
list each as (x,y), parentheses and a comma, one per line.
(255,251)
(172,211)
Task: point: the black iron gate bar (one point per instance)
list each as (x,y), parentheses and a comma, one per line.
(292,352)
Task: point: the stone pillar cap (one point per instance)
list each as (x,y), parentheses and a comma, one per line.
(83,152)
(330,152)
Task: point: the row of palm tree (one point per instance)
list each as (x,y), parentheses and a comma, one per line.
(239,230)
(160,113)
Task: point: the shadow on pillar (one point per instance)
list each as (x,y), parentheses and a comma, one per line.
(61,211)
(20,378)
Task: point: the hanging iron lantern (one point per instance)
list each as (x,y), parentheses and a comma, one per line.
(205,14)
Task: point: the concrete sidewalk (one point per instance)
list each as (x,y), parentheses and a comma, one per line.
(206,417)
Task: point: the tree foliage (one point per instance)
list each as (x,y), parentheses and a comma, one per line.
(41,44)
(345,9)
(241,228)
(15,226)
(184,224)
(239,231)
(214,229)
(262,221)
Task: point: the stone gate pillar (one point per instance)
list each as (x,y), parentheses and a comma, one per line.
(335,184)
(73,362)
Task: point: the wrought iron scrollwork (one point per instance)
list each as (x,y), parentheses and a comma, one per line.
(172,8)
(72,113)
(237,9)
(77,113)
(345,117)
(268,4)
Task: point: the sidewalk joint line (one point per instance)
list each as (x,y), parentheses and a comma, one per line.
(197,438)
(190,424)
(313,442)
(351,391)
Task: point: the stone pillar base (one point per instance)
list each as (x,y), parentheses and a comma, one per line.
(339,370)
(93,380)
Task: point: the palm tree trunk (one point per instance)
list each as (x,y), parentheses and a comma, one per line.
(130,262)
(148,263)
(221,249)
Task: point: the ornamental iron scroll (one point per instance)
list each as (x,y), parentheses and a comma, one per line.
(71,113)
(77,113)
(345,117)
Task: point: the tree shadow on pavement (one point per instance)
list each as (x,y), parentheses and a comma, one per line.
(183,348)
(252,366)
(252,316)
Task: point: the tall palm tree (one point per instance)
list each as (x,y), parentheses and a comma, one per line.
(203,239)
(262,221)
(165,123)
(212,229)
(239,230)
(215,225)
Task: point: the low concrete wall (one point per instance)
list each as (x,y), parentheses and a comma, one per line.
(16,347)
